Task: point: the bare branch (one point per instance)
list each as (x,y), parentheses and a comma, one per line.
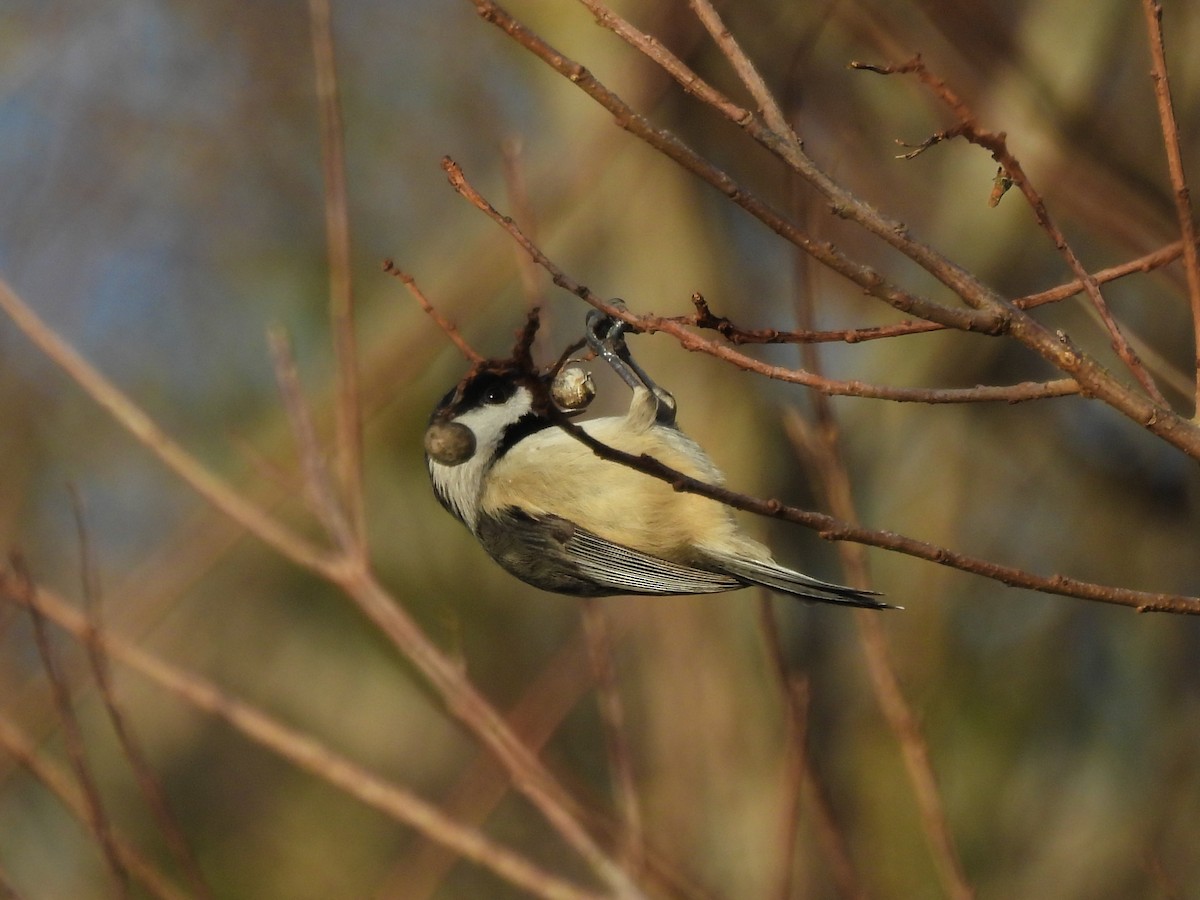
(319,489)
(148,783)
(990,312)
(601,655)
(306,753)
(800,775)
(25,592)
(130,417)
(347,405)
(676,328)
(667,143)
(997,143)
(1183,204)
(21,748)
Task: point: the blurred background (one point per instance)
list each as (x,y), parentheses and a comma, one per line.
(161,206)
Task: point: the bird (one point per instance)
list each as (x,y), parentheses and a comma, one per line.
(558,516)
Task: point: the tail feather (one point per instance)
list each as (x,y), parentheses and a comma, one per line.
(776,577)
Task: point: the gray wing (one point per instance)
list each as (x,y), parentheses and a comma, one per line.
(556,555)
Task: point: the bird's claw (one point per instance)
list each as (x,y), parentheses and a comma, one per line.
(605,334)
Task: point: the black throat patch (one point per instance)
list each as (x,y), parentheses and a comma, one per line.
(530,423)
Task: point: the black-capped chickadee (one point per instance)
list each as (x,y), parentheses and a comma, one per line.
(559,517)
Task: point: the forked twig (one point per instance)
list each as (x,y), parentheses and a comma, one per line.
(25,591)
(24,750)
(996,143)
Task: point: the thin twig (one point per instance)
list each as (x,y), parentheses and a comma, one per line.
(322,497)
(800,775)
(795,751)
(449,328)
(601,653)
(347,405)
(148,783)
(535,717)
(735,334)
(834,529)
(990,312)
(21,748)
(746,71)
(821,441)
(997,144)
(1183,204)
(97,819)
(130,417)
(309,754)
(357,581)
(518,199)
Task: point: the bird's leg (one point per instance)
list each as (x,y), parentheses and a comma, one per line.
(606,336)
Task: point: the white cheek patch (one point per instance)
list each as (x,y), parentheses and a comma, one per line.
(461,481)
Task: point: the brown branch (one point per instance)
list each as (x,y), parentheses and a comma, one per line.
(990,311)
(148,783)
(353,576)
(746,71)
(997,144)
(820,443)
(1143,601)
(601,656)
(461,697)
(23,749)
(800,775)
(704,317)
(347,405)
(1183,204)
(305,752)
(993,314)
(97,819)
(869,280)
(689,341)
(834,529)
(451,331)
(535,717)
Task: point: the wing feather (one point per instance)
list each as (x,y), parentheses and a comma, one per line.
(774,576)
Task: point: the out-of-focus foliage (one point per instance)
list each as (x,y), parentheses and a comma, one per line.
(161,205)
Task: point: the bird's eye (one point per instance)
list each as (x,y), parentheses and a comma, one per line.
(494,396)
